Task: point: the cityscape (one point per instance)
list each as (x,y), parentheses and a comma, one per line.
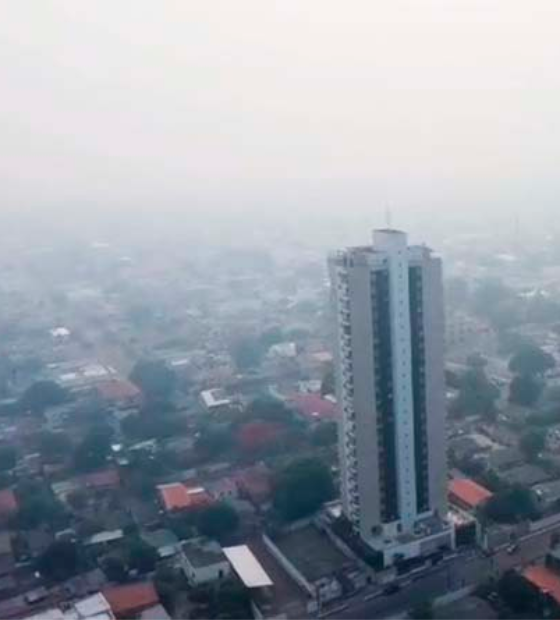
(279,310)
(348,434)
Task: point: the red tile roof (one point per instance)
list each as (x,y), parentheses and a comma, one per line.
(545,580)
(255,483)
(118,390)
(129,600)
(468,492)
(177,496)
(8,502)
(103,479)
(314,406)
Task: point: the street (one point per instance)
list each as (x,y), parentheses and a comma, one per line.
(464,569)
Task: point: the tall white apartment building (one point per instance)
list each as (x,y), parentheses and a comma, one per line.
(389,351)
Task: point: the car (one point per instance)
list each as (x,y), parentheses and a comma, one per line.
(392,588)
(512,549)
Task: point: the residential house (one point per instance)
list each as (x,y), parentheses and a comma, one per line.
(177,497)
(467,494)
(130,600)
(203,561)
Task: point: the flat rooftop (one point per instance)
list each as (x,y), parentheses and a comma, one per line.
(202,552)
(312,552)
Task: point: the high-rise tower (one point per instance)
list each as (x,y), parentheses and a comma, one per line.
(388,308)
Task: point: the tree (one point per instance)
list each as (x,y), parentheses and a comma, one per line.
(258,436)
(511,505)
(327,383)
(422,611)
(525,390)
(94,449)
(8,458)
(54,446)
(42,395)
(302,487)
(247,353)
(154,378)
(141,556)
(37,505)
(114,569)
(269,409)
(517,593)
(531,360)
(60,560)
(325,434)
(532,443)
(214,441)
(477,395)
(218,521)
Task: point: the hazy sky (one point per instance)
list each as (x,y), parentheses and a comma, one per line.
(318,104)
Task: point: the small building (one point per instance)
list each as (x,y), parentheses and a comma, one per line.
(179,497)
(215,400)
(163,541)
(467,494)
(130,600)
(547,494)
(119,393)
(545,582)
(8,505)
(203,561)
(104,539)
(314,407)
(255,484)
(7,561)
(154,613)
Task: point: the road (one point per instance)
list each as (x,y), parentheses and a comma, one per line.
(453,573)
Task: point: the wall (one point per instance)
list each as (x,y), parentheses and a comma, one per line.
(289,567)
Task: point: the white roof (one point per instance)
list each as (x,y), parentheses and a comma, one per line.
(214,398)
(47,614)
(157,612)
(247,566)
(104,537)
(92,606)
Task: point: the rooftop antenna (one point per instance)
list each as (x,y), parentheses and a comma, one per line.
(388,217)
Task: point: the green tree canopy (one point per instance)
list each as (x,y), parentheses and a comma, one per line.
(422,611)
(302,487)
(328,383)
(41,395)
(92,452)
(531,360)
(477,394)
(511,505)
(525,390)
(218,521)
(60,561)
(141,556)
(247,352)
(154,378)
(8,457)
(517,593)
(325,434)
(54,446)
(532,443)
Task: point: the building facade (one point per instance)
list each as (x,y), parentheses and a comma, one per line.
(389,357)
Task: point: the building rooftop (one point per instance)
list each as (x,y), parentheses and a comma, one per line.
(312,552)
(201,552)
(131,599)
(468,492)
(8,502)
(177,496)
(214,398)
(247,567)
(314,406)
(544,579)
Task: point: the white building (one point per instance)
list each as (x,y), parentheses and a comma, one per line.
(203,561)
(388,306)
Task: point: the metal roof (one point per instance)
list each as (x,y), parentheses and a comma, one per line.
(247,567)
